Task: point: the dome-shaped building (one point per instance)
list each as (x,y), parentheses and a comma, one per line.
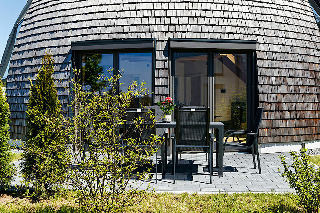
(230,55)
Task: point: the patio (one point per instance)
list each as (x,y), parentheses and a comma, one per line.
(238,176)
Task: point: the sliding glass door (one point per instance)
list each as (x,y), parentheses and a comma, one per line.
(216,80)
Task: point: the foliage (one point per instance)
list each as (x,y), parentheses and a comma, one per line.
(92,71)
(167,106)
(315,159)
(7,170)
(15,156)
(166,202)
(4,82)
(104,158)
(304,178)
(46,156)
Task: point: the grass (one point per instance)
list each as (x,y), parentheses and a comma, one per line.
(165,202)
(244,202)
(15,156)
(315,159)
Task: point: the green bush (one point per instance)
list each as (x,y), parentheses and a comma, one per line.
(7,170)
(102,165)
(304,178)
(46,157)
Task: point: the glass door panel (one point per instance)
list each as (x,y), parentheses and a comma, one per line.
(230,90)
(190,79)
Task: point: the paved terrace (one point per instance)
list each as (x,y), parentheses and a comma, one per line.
(239,176)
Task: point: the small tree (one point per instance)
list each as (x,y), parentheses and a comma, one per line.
(304,178)
(6,169)
(46,157)
(104,166)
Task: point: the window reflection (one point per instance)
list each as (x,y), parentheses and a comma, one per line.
(190,79)
(136,67)
(230,90)
(95,70)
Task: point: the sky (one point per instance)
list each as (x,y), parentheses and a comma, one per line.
(9,12)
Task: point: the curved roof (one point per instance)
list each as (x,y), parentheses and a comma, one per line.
(287,36)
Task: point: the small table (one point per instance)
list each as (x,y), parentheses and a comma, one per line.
(219,152)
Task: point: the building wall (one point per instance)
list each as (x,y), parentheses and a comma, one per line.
(285,30)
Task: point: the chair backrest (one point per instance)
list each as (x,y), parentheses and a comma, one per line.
(257,120)
(146,128)
(192,126)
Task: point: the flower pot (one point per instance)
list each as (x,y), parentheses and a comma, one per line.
(166,118)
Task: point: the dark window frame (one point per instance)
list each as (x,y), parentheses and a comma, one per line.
(212,47)
(115,47)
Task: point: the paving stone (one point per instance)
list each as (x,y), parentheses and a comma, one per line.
(244,180)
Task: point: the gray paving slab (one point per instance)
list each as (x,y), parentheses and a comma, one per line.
(239,177)
(244,179)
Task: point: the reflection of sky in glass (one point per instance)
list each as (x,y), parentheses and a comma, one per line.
(106,63)
(135,67)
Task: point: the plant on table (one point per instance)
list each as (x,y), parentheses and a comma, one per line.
(166,106)
(103,165)
(46,157)
(304,178)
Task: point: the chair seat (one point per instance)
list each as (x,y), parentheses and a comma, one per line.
(237,147)
(241,132)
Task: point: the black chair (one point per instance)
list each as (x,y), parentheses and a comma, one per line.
(135,115)
(192,134)
(144,132)
(253,133)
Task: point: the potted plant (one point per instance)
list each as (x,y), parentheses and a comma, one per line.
(167,107)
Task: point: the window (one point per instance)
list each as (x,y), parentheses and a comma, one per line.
(133,58)
(216,74)
(137,67)
(230,90)
(190,79)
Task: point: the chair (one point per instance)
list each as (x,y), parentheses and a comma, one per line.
(192,133)
(254,133)
(146,129)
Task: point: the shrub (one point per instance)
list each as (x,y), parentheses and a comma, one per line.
(7,170)
(304,178)
(46,157)
(102,165)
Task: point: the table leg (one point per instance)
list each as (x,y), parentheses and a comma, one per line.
(217,149)
(164,154)
(211,160)
(220,147)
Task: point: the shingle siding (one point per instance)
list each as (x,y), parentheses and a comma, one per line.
(288,44)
